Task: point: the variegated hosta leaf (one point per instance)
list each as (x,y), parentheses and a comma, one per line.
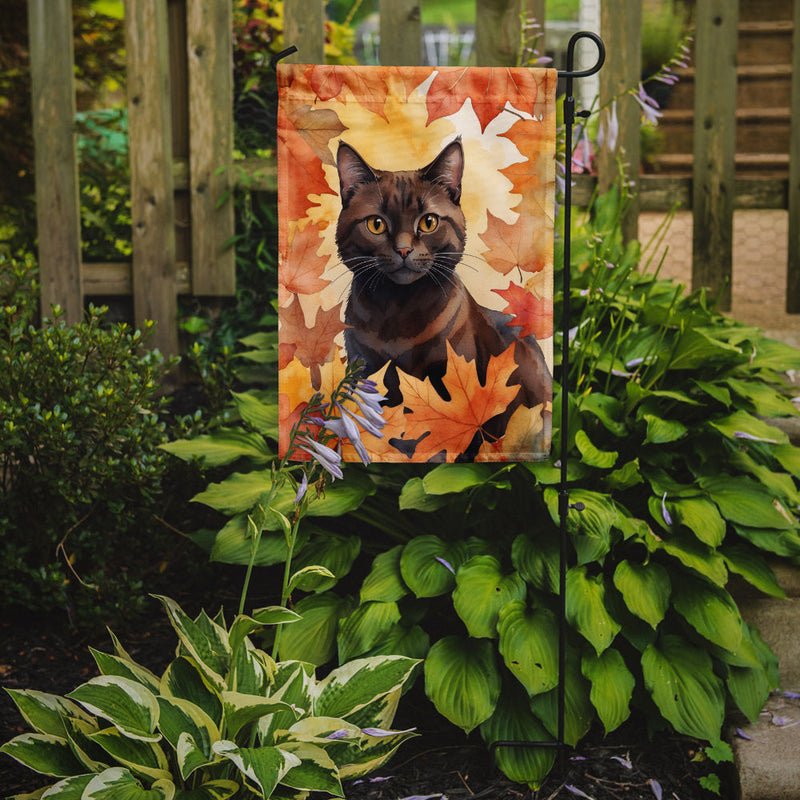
(68,789)
(462,680)
(612,686)
(45,712)
(212,790)
(252,670)
(586,608)
(646,589)
(242,709)
(294,685)
(365,627)
(126,704)
(481,591)
(78,733)
(125,668)
(262,766)
(145,759)
(183,679)
(179,718)
(204,641)
(117,783)
(529,645)
(358,683)
(244,625)
(373,752)
(316,771)
(513,721)
(683,685)
(44,753)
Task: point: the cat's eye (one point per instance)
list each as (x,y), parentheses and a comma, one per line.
(376,225)
(428,224)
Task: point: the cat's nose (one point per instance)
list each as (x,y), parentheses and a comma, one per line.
(403,251)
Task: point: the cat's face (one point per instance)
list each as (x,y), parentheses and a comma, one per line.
(401,226)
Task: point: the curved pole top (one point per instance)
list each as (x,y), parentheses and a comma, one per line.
(570,72)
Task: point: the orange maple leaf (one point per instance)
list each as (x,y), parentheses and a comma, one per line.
(512,245)
(301,268)
(488,89)
(300,169)
(533,313)
(315,345)
(317,127)
(367,85)
(453,423)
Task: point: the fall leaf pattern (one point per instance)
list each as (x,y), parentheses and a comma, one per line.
(397,118)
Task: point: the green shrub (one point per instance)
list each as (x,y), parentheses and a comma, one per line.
(79,428)
(683,483)
(223,720)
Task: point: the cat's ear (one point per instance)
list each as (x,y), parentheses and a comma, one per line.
(353,171)
(447,169)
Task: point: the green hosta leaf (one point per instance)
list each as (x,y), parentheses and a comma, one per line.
(334,553)
(788,456)
(462,680)
(716,391)
(537,561)
(400,640)
(590,528)
(625,477)
(578,710)
(118,784)
(696,349)
(207,644)
(663,431)
(782,543)
(233,544)
(313,638)
(182,679)
(125,668)
(608,410)
(223,446)
(645,588)
(774,355)
(512,721)
(44,753)
(701,517)
(126,704)
(683,685)
(450,478)
(745,502)
(212,790)
(753,567)
(243,625)
(612,687)
(749,687)
(529,645)
(355,685)
(693,554)
(385,582)
(238,492)
(740,422)
(414,497)
(45,712)
(316,771)
(145,759)
(709,610)
(261,416)
(767,402)
(590,455)
(365,627)
(428,565)
(481,591)
(242,709)
(586,608)
(264,766)
(312,577)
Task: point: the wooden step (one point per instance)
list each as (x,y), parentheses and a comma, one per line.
(765,42)
(766,165)
(754,10)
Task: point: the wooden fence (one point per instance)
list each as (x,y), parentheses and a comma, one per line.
(181,135)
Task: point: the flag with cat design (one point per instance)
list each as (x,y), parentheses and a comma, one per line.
(416,212)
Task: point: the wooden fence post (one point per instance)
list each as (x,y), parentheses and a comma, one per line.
(497,32)
(152,200)
(401,33)
(304,27)
(210,55)
(56,164)
(714,189)
(621,28)
(793,266)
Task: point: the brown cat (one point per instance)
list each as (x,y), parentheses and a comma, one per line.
(402,234)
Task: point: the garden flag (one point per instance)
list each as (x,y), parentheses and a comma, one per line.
(416,210)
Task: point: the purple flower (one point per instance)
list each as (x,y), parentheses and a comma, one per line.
(342,733)
(742,735)
(751,437)
(577,792)
(327,458)
(447,564)
(345,428)
(608,132)
(655,786)
(624,761)
(380,732)
(664,512)
(301,489)
(649,106)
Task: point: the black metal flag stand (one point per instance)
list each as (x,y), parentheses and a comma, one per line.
(564,505)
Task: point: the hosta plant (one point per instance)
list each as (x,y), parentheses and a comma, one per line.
(224,720)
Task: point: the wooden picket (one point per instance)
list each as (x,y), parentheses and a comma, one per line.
(181,134)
